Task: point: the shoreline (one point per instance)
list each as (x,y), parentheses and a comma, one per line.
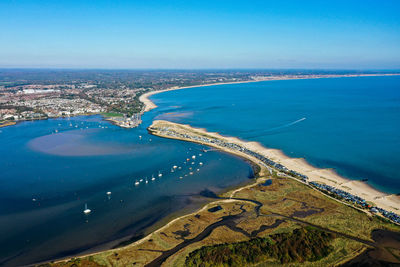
(149,105)
(388,202)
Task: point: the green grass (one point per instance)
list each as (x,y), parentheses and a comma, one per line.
(112,114)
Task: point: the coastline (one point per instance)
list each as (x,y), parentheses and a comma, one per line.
(149,105)
(277,154)
(314,174)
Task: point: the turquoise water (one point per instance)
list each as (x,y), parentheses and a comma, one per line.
(47,177)
(349,124)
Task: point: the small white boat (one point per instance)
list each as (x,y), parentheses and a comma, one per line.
(141,180)
(180,177)
(190,168)
(140,137)
(191,173)
(201,163)
(192,162)
(137,183)
(152,178)
(86,210)
(179,168)
(175,167)
(200,155)
(147,181)
(108,193)
(193,157)
(198,170)
(159,174)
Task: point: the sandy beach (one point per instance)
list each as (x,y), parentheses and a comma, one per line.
(325,176)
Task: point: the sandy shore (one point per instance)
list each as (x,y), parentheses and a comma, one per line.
(149,105)
(326,176)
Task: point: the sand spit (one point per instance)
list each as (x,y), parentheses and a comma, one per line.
(324,176)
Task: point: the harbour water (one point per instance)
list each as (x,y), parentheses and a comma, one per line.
(349,124)
(50,169)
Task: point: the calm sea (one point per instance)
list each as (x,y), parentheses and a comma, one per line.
(349,124)
(50,169)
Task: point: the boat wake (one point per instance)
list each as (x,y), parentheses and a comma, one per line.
(273,130)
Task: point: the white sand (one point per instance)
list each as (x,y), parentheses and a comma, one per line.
(326,176)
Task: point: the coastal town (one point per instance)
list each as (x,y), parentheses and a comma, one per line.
(168,129)
(41,95)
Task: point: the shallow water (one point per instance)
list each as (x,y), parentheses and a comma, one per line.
(47,177)
(349,124)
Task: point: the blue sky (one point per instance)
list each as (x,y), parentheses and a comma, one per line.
(200,34)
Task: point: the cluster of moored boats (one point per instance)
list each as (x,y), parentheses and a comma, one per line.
(190,164)
(80,126)
(175,168)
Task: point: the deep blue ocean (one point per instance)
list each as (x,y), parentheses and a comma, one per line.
(349,124)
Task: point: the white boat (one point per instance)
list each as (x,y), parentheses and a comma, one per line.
(192,162)
(175,167)
(140,137)
(193,157)
(180,177)
(137,183)
(191,173)
(152,178)
(159,174)
(147,181)
(179,168)
(86,210)
(141,180)
(201,163)
(108,193)
(198,170)
(200,154)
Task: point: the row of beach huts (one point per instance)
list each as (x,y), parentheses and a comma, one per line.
(335,192)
